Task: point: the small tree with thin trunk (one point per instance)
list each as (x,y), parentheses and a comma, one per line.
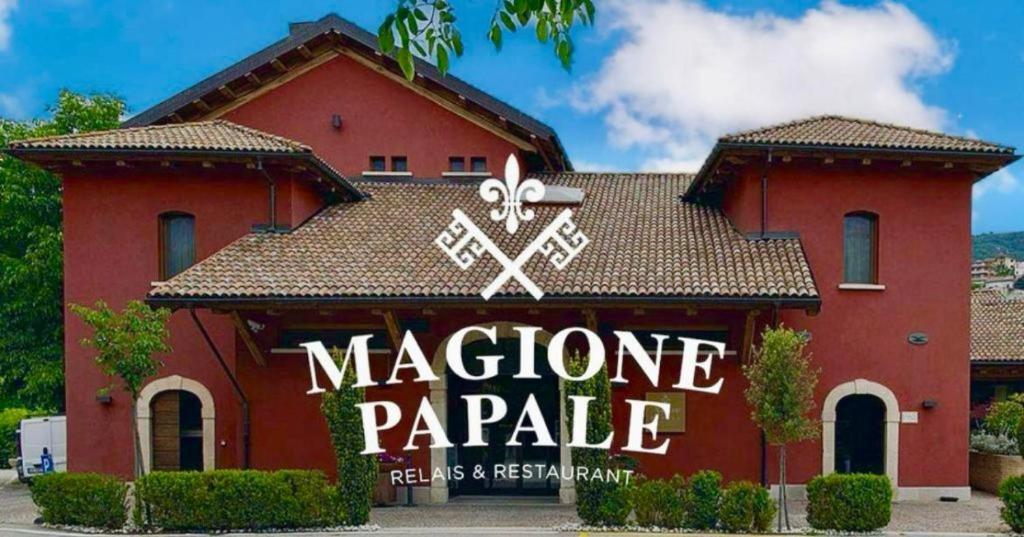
(125,343)
(781,395)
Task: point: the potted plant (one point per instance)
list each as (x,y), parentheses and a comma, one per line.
(385,493)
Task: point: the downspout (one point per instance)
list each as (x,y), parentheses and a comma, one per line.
(243,401)
(272,185)
(774,323)
(764,194)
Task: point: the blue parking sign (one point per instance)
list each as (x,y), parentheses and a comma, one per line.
(47,462)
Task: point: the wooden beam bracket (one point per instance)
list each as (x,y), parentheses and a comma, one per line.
(247,337)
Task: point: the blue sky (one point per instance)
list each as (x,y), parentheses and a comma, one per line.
(652,85)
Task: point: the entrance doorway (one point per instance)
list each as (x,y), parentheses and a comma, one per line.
(177,431)
(496,453)
(860,435)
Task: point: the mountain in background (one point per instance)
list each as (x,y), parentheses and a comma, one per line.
(992,244)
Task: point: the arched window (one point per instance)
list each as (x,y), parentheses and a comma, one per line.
(177,243)
(860,248)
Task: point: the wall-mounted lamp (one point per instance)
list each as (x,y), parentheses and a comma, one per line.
(929,403)
(336,121)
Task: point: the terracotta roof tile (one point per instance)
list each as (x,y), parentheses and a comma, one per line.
(216,135)
(841,131)
(644,241)
(997,326)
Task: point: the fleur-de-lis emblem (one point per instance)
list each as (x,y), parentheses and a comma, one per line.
(512,193)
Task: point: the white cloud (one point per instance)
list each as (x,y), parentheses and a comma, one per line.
(11,107)
(6,7)
(684,74)
(1002,182)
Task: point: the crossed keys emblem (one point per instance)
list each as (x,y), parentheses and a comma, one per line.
(560,241)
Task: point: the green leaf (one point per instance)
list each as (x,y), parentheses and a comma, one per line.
(506,19)
(385,38)
(542,30)
(405,62)
(419,48)
(457,43)
(564,52)
(442,60)
(420,14)
(495,36)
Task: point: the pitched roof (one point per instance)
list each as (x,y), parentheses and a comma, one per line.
(997,327)
(844,135)
(216,135)
(644,243)
(332,27)
(217,138)
(839,131)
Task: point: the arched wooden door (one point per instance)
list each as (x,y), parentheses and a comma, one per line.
(177,431)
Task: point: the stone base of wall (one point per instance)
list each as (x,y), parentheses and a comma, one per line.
(988,470)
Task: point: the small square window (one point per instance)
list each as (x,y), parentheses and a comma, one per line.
(456,164)
(478,164)
(377,164)
(399,164)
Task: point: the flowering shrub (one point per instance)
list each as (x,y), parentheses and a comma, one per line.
(998,444)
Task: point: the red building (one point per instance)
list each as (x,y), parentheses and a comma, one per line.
(297,194)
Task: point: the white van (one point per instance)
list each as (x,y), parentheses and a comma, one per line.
(36,434)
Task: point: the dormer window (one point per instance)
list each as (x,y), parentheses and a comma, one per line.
(478,164)
(860,248)
(399,164)
(177,243)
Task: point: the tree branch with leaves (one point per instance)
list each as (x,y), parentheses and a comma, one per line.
(126,343)
(427,28)
(781,395)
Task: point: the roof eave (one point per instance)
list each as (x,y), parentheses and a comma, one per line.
(333,23)
(809,303)
(27,154)
(1004,157)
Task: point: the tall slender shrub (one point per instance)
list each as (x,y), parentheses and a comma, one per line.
(597,502)
(357,473)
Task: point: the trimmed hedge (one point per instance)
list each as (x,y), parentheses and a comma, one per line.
(234,500)
(10,419)
(704,492)
(849,502)
(1011,492)
(81,499)
(659,503)
(746,508)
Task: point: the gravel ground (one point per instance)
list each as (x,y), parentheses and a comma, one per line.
(484,512)
(16,505)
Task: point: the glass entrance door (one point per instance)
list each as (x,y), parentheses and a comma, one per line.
(508,470)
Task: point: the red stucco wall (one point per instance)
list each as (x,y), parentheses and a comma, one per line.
(380,117)
(110,253)
(924,215)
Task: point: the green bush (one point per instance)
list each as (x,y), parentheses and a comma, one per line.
(1005,417)
(849,502)
(746,508)
(234,500)
(1011,492)
(10,418)
(658,503)
(81,499)
(704,492)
